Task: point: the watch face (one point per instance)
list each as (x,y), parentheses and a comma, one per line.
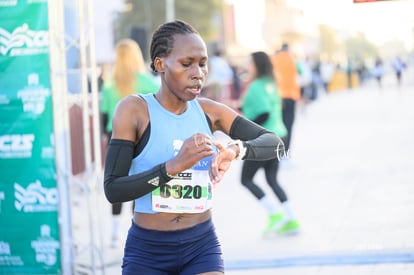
(242,149)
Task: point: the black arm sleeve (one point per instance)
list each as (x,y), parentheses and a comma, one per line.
(261,143)
(118,186)
(260,119)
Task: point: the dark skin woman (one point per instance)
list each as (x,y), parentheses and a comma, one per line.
(162,155)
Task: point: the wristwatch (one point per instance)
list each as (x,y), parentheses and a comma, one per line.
(242,148)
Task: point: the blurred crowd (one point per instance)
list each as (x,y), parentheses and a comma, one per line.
(227,79)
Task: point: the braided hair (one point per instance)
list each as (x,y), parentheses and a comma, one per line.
(163,38)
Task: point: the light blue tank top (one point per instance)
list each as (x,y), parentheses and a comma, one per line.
(167,133)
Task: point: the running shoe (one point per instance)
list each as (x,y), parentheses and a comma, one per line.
(275,222)
(290,227)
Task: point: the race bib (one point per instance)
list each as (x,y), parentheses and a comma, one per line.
(190,192)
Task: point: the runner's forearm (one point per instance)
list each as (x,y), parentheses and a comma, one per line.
(261,143)
(118,185)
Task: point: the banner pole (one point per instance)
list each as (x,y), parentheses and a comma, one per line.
(97,140)
(61,129)
(86,132)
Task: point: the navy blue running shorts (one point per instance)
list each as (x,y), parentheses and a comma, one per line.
(183,252)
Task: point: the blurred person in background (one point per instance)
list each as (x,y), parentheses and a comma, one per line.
(287,75)
(349,71)
(262,104)
(326,70)
(361,69)
(105,73)
(378,71)
(237,83)
(305,79)
(220,78)
(398,65)
(129,76)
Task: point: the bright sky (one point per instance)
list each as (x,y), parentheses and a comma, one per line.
(380,21)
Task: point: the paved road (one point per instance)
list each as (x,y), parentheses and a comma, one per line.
(350,180)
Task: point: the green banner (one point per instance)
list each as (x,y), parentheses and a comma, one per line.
(29,229)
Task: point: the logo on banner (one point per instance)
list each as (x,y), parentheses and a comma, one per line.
(4,248)
(4,100)
(49,151)
(23,41)
(6,258)
(35,198)
(8,3)
(45,247)
(16,146)
(33,96)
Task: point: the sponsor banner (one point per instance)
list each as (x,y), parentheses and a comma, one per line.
(29,229)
